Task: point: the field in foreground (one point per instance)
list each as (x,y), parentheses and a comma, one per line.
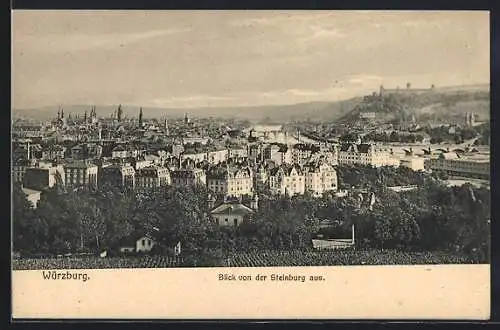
(254,259)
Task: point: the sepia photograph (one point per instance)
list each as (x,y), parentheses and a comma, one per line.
(181,139)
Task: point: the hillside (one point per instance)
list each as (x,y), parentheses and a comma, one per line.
(313,110)
(441,104)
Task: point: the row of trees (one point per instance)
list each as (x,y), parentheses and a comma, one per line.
(393,137)
(365,176)
(443,133)
(432,217)
(90,220)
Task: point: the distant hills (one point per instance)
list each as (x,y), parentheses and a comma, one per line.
(268,113)
(443,101)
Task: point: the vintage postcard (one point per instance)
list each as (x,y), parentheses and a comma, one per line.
(251,164)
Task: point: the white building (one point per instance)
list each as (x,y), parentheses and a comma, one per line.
(366,154)
(413,162)
(144,243)
(218,156)
(287,180)
(453,164)
(231,181)
(231,214)
(122,176)
(320,178)
(152,177)
(188,177)
(80,174)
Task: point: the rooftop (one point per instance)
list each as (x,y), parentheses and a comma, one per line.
(232,208)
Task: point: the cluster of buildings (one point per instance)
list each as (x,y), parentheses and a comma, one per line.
(229,162)
(456,164)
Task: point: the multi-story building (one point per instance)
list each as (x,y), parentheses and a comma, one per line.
(81,174)
(120,151)
(21,149)
(231,181)
(141,163)
(414,162)
(287,180)
(19,168)
(238,153)
(214,157)
(320,178)
(196,157)
(217,156)
(122,176)
(43,176)
(188,177)
(152,177)
(54,152)
(278,153)
(86,150)
(366,154)
(451,163)
(302,153)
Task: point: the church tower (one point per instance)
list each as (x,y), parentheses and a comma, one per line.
(165,126)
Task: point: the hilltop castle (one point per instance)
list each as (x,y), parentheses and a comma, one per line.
(408,90)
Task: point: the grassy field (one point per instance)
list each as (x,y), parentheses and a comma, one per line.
(254,259)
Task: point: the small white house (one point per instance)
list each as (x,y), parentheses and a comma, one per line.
(143,243)
(231,214)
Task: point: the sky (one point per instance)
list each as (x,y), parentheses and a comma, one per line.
(238,58)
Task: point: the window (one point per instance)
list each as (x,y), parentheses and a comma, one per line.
(143,242)
(226,220)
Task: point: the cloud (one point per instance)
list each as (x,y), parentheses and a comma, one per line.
(279,19)
(79,42)
(329,33)
(189,101)
(364,80)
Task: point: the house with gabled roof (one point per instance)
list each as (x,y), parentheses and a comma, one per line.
(320,177)
(230,180)
(233,214)
(366,154)
(137,243)
(287,180)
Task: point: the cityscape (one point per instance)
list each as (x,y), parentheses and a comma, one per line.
(392,174)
